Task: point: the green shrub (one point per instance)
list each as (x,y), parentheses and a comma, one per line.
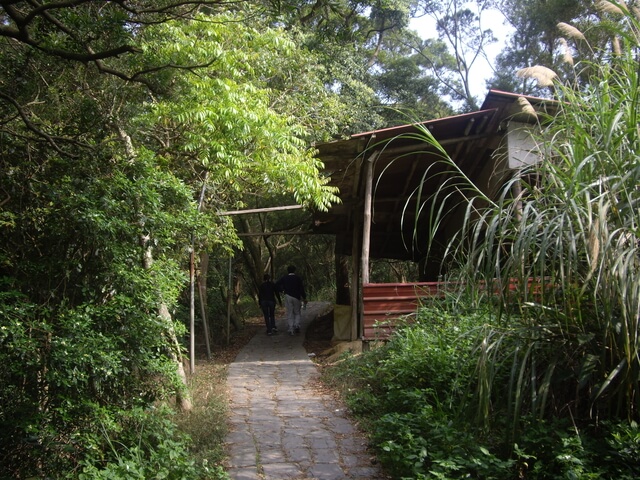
(434,352)
(143,445)
(418,398)
(536,382)
(432,442)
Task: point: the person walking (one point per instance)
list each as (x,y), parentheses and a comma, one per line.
(294,296)
(267,294)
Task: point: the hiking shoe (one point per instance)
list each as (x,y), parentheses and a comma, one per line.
(269,333)
(290,332)
(297,328)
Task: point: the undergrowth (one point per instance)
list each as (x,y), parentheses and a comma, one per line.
(161,444)
(206,424)
(417,398)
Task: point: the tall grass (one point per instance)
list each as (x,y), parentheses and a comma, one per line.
(574,223)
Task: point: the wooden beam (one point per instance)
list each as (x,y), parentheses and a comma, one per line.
(428,148)
(366,232)
(261,210)
(267,234)
(356,298)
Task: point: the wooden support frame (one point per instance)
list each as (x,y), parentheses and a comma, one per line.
(367,218)
(367,215)
(355,280)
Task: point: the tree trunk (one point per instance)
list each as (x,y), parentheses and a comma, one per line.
(252,255)
(182,397)
(234,315)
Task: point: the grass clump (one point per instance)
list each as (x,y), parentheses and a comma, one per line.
(160,443)
(206,423)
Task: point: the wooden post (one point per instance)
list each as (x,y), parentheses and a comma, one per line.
(192,312)
(202,288)
(355,278)
(229,301)
(205,322)
(343,292)
(366,230)
(192,286)
(366,225)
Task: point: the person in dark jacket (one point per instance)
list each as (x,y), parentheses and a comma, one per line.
(267,295)
(294,296)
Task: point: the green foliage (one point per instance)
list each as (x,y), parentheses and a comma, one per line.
(556,449)
(624,447)
(148,448)
(569,340)
(537,41)
(576,226)
(413,394)
(227,115)
(82,330)
(101,182)
(405,90)
(417,398)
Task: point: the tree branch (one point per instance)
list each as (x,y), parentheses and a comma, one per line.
(50,139)
(20,23)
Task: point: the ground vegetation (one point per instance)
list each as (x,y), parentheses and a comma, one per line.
(127,130)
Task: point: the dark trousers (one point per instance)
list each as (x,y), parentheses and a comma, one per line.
(269,311)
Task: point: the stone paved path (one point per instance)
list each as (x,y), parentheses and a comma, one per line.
(280,426)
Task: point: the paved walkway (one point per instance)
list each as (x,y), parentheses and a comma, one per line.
(281,427)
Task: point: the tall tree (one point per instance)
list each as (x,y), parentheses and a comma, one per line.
(370,59)
(462,29)
(406,78)
(536,41)
(459,44)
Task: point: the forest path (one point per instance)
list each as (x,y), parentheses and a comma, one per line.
(282,426)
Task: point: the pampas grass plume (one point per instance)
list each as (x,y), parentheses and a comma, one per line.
(607,7)
(543,75)
(567,57)
(570,31)
(616,45)
(526,107)
(593,245)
